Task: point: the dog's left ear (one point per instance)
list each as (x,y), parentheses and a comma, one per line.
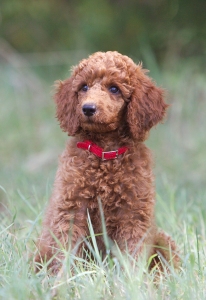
(146,107)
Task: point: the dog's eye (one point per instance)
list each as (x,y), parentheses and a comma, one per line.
(114,89)
(85,88)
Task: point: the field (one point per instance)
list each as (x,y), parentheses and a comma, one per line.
(31,141)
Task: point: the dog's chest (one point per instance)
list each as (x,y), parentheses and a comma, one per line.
(127,177)
(94,177)
(106,174)
(105,182)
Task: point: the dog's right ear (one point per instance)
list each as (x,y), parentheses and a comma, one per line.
(66,102)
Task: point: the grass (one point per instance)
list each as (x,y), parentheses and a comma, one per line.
(30,144)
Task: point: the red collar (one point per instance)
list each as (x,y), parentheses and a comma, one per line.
(91,147)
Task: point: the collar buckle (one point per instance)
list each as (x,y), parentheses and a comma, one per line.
(109,152)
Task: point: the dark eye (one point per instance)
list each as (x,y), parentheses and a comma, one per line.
(85,88)
(114,89)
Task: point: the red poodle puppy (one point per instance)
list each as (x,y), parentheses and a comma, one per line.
(108,106)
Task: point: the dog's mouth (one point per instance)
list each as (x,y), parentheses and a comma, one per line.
(90,124)
(90,120)
(87,119)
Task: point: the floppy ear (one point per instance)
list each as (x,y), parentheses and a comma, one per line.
(146,108)
(66,102)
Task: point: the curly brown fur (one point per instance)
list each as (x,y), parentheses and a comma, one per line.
(124,185)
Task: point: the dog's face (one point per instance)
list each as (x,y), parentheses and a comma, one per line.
(101,86)
(105,91)
(100,106)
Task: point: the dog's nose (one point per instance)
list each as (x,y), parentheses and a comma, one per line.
(89,109)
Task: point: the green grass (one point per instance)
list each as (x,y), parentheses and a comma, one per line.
(30,144)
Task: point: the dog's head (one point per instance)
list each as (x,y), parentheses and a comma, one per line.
(106,91)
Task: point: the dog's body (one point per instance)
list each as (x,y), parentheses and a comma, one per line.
(110,103)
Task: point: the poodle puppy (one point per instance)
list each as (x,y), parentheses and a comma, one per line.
(108,106)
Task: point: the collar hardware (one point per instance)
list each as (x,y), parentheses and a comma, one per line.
(109,152)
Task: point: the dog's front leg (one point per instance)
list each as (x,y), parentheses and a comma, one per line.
(64,227)
(131,227)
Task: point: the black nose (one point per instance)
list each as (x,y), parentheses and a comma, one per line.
(89,109)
